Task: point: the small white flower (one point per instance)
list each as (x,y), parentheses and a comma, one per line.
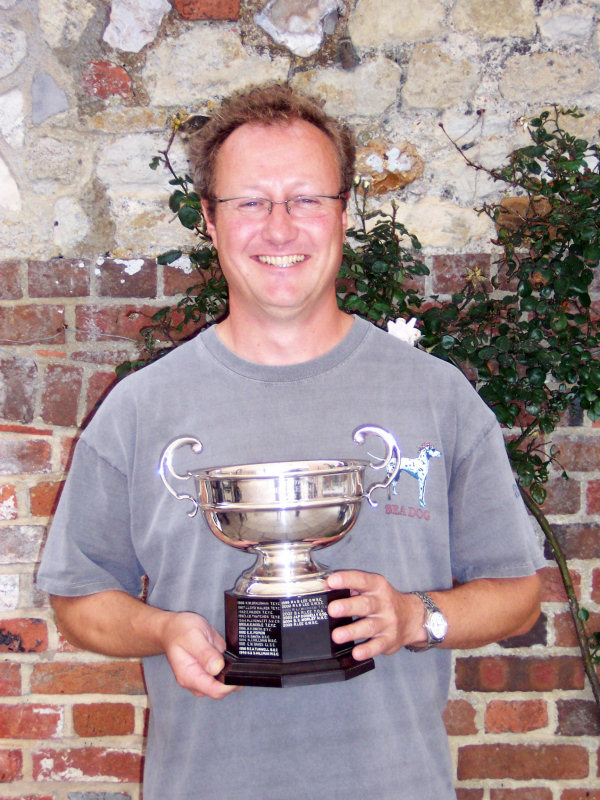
(405,331)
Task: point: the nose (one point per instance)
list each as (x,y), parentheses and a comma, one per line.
(279,226)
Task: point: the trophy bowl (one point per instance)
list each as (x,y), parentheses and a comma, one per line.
(278,631)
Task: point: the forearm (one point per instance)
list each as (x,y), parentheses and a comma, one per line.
(488,610)
(112,623)
(477,613)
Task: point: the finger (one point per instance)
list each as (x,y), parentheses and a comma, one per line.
(352,579)
(360,605)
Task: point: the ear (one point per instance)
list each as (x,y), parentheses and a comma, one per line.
(210,225)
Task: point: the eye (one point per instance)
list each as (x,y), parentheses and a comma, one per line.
(251,203)
(308,201)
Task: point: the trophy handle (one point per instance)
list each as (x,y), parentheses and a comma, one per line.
(392,453)
(166,466)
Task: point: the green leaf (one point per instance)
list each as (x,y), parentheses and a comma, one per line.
(168,257)
(188,216)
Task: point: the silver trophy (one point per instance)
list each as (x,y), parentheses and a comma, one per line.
(277,628)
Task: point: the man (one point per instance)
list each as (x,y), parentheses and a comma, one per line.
(288,376)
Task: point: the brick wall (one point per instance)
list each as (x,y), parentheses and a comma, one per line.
(522,721)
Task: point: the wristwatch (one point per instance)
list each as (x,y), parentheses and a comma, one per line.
(436,625)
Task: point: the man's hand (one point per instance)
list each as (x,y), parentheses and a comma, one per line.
(116,624)
(194,650)
(479,612)
(387,618)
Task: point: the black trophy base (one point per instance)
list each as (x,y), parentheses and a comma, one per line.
(286,641)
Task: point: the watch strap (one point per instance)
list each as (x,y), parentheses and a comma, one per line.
(430,608)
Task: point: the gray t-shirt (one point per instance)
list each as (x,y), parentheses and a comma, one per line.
(379,735)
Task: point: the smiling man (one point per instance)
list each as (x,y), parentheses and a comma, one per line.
(288,376)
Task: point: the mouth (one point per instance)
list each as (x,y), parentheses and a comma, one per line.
(281,261)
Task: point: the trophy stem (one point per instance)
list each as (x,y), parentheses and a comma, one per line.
(282,569)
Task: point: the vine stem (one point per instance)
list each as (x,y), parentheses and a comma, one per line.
(582,638)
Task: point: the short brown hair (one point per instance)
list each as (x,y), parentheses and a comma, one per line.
(264,105)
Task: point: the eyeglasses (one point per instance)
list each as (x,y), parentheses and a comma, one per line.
(310,206)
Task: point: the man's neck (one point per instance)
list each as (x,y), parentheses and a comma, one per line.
(283,342)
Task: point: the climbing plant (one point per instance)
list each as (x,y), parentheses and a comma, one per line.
(528,339)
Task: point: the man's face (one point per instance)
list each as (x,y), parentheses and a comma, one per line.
(278,267)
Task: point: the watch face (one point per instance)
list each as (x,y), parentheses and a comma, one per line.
(437,626)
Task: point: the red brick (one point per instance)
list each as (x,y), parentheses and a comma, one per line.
(29,430)
(580,794)
(565,628)
(513,674)
(115,677)
(23,636)
(31,324)
(60,397)
(577,452)
(208,9)
(11,766)
(30,721)
(10,679)
(177,280)
(117,320)
(564,496)
(502,716)
(538,634)
(103,79)
(60,277)
(99,385)
(103,719)
(522,762)
(449,272)
(578,718)
(593,497)
(127,278)
(578,540)
(18,378)
(459,718)
(19,455)
(43,498)
(20,544)
(89,762)
(33,797)
(596,585)
(525,793)
(10,281)
(553,589)
(8,502)
(469,794)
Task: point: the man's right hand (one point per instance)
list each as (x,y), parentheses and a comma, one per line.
(116,624)
(194,650)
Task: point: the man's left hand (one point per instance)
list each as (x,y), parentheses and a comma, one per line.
(387,619)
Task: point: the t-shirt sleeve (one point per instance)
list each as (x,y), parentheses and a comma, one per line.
(491,535)
(89,547)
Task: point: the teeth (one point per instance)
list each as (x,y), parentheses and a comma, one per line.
(281,261)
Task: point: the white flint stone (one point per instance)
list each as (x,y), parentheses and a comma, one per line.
(134,24)
(71,224)
(66,18)
(124,166)
(439,223)
(497,19)
(203,62)
(566,26)
(296,24)
(10,197)
(380,22)
(9,584)
(549,77)
(12,128)
(367,90)
(436,79)
(13,48)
